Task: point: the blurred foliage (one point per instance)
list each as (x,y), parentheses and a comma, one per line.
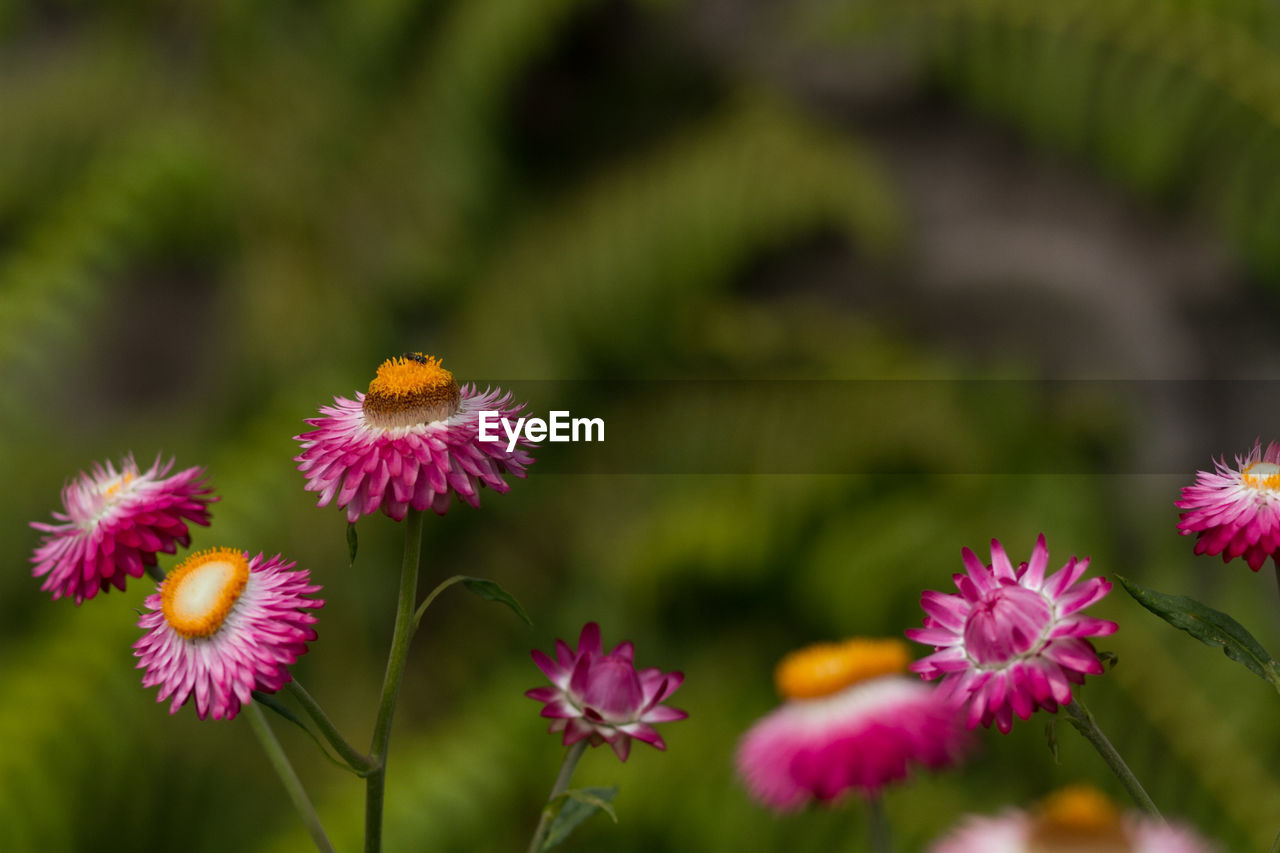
(216,216)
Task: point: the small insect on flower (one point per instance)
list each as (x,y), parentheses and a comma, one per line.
(853,722)
(223,624)
(602,697)
(410,441)
(1073,820)
(114,522)
(1012,640)
(1235,512)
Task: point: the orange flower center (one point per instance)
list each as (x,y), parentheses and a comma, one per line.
(1078,819)
(409,390)
(827,668)
(117,484)
(197,596)
(1261,475)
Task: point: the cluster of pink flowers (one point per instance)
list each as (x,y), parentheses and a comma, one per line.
(1012,639)
(222,625)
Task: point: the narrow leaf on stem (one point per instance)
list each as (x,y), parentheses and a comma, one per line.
(490,591)
(575,806)
(353,543)
(1209,626)
(268,701)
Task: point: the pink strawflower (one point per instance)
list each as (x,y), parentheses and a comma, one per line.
(1012,640)
(223,624)
(1236,511)
(412,441)
(853,722)
(114,523)
(602,697)
(1073,820)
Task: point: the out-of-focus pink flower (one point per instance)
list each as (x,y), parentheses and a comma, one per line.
(223,624)
(1012,640)
(113,523)
(1073,820)
(602,697)
(412,441)
(1235,512)
(853,722)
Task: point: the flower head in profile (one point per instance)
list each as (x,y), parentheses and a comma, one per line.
(114,522)
(1235,512)
(411,441)
(603,697)
(853,722)
(1072,820)
(223,624)
(1012,640)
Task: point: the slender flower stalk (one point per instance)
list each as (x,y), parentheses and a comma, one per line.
(570,764)
(288,777)
(377,780)
(355,759)
(878,823)
(1084,722)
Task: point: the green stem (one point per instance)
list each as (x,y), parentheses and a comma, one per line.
(280,761)
(376,782)
(562,784)
(878,823)
(440,587)
(1087,726)
(355,759)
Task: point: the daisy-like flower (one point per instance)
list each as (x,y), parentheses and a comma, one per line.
(853,721)
(1235,512)
(1012,640)
(113,523)
(1073,820)
(223,624)
(411,441)
(602,697)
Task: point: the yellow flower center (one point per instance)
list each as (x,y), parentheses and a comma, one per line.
(409,390)
(827,668)
(1261,475)
(197,596)
(117,484)
(1078,819)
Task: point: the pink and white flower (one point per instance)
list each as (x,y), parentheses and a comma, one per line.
(113,523)
(1235,512)
(853,722)
(1012,640)
(223,624)
(411,441)
(1073,820)
(602,697)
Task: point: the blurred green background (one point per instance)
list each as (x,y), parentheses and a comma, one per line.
(216,216)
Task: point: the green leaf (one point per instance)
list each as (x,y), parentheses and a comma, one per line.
(1051,735)
(1209,626)
(490,591)
(1111,659)
(353,544)
(268,701)
(576,805)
